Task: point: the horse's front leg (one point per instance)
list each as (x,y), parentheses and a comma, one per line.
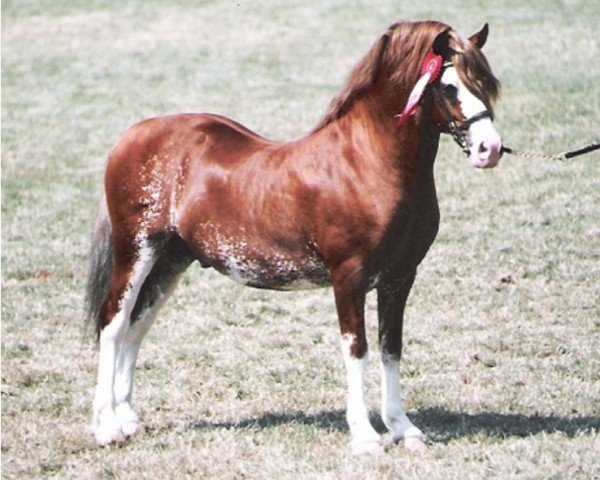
(350,301)
(391,299)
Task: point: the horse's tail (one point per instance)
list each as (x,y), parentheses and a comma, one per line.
(100,267)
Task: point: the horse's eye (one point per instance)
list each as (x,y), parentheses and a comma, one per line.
(450,91)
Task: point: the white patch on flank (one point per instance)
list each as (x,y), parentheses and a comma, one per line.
(173,210)
(153,193)
(243,264)
(176,190)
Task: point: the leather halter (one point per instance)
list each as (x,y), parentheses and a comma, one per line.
(458,131)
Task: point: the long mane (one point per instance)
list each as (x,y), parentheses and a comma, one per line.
(398,54)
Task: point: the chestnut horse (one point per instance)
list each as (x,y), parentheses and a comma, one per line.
(350,205)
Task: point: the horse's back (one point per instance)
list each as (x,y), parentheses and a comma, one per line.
(182,134)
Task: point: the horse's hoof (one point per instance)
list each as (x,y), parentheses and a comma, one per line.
(373,448)
(415,444)
(108,436)
(131,428)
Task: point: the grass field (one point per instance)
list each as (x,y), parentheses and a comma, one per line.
(501,362)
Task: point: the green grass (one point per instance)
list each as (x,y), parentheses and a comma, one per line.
(501,351)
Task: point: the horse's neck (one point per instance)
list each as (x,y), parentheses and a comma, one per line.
(370,126)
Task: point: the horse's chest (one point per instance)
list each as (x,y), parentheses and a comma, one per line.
(409,233)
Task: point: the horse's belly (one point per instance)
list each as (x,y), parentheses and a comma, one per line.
(277,270)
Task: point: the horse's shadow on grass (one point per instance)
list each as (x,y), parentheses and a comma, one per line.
(439,424)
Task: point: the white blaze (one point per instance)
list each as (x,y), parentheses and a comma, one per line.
(484,141)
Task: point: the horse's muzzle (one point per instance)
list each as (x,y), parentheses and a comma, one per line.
(487,154)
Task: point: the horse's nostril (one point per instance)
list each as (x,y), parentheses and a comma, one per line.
(483,147)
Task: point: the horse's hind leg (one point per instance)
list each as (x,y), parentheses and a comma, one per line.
(133,261)
(172,259)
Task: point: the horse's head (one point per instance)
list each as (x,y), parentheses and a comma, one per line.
(463,88)
(417,57)
(464,94)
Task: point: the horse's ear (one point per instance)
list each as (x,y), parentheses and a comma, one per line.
(441,43)
(478,39)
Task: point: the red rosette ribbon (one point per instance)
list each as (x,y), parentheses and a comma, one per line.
(430,70)
(432,64)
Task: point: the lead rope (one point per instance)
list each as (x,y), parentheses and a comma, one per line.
(561,157)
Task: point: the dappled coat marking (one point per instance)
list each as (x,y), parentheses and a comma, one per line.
(352,204)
